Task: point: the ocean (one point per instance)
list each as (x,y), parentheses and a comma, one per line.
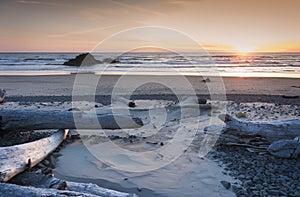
(220,64)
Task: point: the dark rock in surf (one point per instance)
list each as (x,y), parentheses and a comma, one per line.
(111,61)
(84,59)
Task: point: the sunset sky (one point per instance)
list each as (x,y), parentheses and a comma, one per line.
(217,25)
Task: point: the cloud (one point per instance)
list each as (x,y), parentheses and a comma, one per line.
(46,3)
(84,31)
(135,7)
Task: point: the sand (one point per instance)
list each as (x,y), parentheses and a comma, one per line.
(191,174)
(63,85)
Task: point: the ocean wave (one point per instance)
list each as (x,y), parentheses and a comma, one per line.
(149,62)
(41,59)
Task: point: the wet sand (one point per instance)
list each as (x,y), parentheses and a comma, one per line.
(63,85)
(65,88)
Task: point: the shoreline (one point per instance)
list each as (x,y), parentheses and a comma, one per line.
(34,73)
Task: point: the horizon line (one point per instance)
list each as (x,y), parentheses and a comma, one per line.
(210,51)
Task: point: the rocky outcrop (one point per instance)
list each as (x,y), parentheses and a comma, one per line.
(84,59)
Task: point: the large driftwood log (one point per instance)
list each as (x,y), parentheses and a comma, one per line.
(40,179)
(285,148)
(271,130)
(21,191)
(14,159)
(24,120)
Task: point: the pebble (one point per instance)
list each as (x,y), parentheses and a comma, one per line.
(139,189)
(260,175)
(226,184)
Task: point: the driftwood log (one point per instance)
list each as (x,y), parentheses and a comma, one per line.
(2,95)
(285,148)
(15,159)
(279,138)
(45,179)
(24,120)
(271,130)
(21,191)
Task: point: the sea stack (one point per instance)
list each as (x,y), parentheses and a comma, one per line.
(84,59)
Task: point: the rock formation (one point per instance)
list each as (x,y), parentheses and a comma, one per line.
(84,59)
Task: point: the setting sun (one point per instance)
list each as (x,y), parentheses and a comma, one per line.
(243,48)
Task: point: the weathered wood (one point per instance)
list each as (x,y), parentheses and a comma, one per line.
(96,190)
(2,95)
(24,120)
(271,130)
(21,191)
(13,159)
(39,179)
(285,148)
(42,178)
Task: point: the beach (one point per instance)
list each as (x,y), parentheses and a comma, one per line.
(62,85)
(150,98)
(262,99)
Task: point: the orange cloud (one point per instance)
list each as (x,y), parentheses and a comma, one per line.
(280,47)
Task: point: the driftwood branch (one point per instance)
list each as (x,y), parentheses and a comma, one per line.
(14,159)
(24,120)
(44,179)
(96,190)
(271,130)
(21,191)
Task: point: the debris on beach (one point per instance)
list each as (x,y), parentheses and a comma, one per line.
(290,96)
(241,115)
(202,101)
(206,80)
(131,104)
(2,95)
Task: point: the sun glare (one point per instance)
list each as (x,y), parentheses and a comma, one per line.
(244,48)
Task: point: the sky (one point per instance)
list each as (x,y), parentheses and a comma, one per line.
(216,25)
